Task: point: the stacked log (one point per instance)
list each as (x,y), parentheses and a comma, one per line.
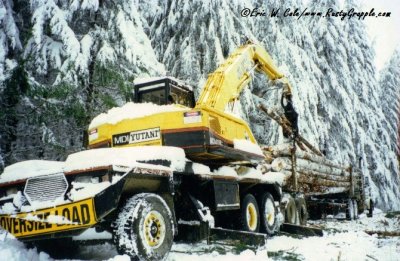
(285,150)
(306,169)
(314,174)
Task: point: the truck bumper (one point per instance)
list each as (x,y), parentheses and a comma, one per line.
(63,220)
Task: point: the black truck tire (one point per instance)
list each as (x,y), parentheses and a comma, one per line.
(291,211)
(249,214)
(144,228)
(268,214)
(301,207)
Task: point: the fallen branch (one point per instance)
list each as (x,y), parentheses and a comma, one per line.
(383,233)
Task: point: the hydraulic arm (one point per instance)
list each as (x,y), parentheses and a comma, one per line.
(225,84)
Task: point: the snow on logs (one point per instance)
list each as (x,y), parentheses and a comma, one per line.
(284,150)
(314,173)
(308,170)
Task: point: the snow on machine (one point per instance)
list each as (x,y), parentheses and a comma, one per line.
(158,166)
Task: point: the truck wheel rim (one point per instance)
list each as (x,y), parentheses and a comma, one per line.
(269,212)
(251,216)
(154,229)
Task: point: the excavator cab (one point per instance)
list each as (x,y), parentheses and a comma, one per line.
(163,91)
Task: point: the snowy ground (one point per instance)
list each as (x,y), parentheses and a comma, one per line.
(342,240)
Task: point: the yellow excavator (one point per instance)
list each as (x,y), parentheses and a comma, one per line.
(207,131)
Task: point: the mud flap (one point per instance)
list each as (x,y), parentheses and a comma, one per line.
(107,200)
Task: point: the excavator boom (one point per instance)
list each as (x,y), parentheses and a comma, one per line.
(225,84)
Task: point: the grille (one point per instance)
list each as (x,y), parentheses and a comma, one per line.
(45,188)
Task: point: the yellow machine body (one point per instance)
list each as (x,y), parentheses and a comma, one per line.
(206,132)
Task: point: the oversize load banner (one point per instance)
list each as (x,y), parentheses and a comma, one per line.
(75,215)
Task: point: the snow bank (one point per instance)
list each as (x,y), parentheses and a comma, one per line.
(14,250)
(338,246)
(379,222)
(30,168)
(131,111)
(128,157)
(343,240)
(182,252)
(247,146)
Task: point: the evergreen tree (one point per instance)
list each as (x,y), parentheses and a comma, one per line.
(378,160)
(80,58)
(12,78)
(192,39)
(389,83)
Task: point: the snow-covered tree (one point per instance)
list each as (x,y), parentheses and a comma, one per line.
(379,161)
(11,82)
(10,42)
(290,44)
(192,38)
(389,82)
(80,59)
(389,97)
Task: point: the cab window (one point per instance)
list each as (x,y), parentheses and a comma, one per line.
(182,97)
